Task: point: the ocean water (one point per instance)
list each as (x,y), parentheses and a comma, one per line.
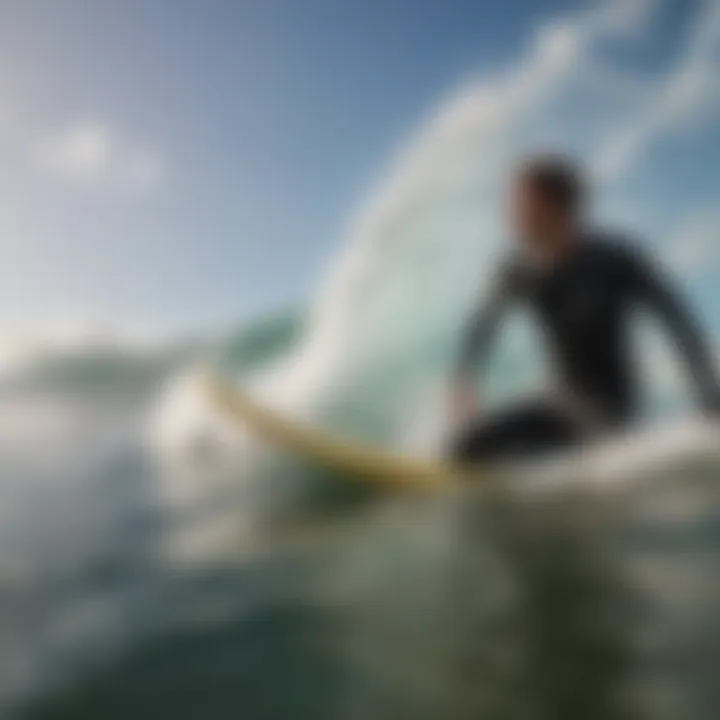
(142,578)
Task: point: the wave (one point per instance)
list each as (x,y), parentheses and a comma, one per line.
(114,364)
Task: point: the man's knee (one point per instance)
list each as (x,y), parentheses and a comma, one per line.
(520,431)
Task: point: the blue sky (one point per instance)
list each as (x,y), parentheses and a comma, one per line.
(185,163)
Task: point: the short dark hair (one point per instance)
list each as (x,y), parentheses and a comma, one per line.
(558,178)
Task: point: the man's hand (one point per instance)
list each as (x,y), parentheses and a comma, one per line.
(711,403)
(462,403)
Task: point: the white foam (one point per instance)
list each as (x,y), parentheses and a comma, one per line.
(635,456)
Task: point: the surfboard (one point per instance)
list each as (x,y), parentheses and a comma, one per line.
(312,445)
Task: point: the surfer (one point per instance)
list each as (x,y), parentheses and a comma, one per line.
(581,285)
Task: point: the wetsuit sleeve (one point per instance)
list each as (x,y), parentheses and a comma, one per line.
(652,288)
(482,326)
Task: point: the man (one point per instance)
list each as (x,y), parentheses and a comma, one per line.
(582,286)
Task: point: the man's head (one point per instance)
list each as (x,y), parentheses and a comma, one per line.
(547,203)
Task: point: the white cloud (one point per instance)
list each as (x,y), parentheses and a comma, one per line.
(94,154)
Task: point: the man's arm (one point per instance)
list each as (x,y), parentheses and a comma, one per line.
(655,290)
(479,335)
(477,341)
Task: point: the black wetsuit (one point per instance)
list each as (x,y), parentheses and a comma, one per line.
(583,305)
